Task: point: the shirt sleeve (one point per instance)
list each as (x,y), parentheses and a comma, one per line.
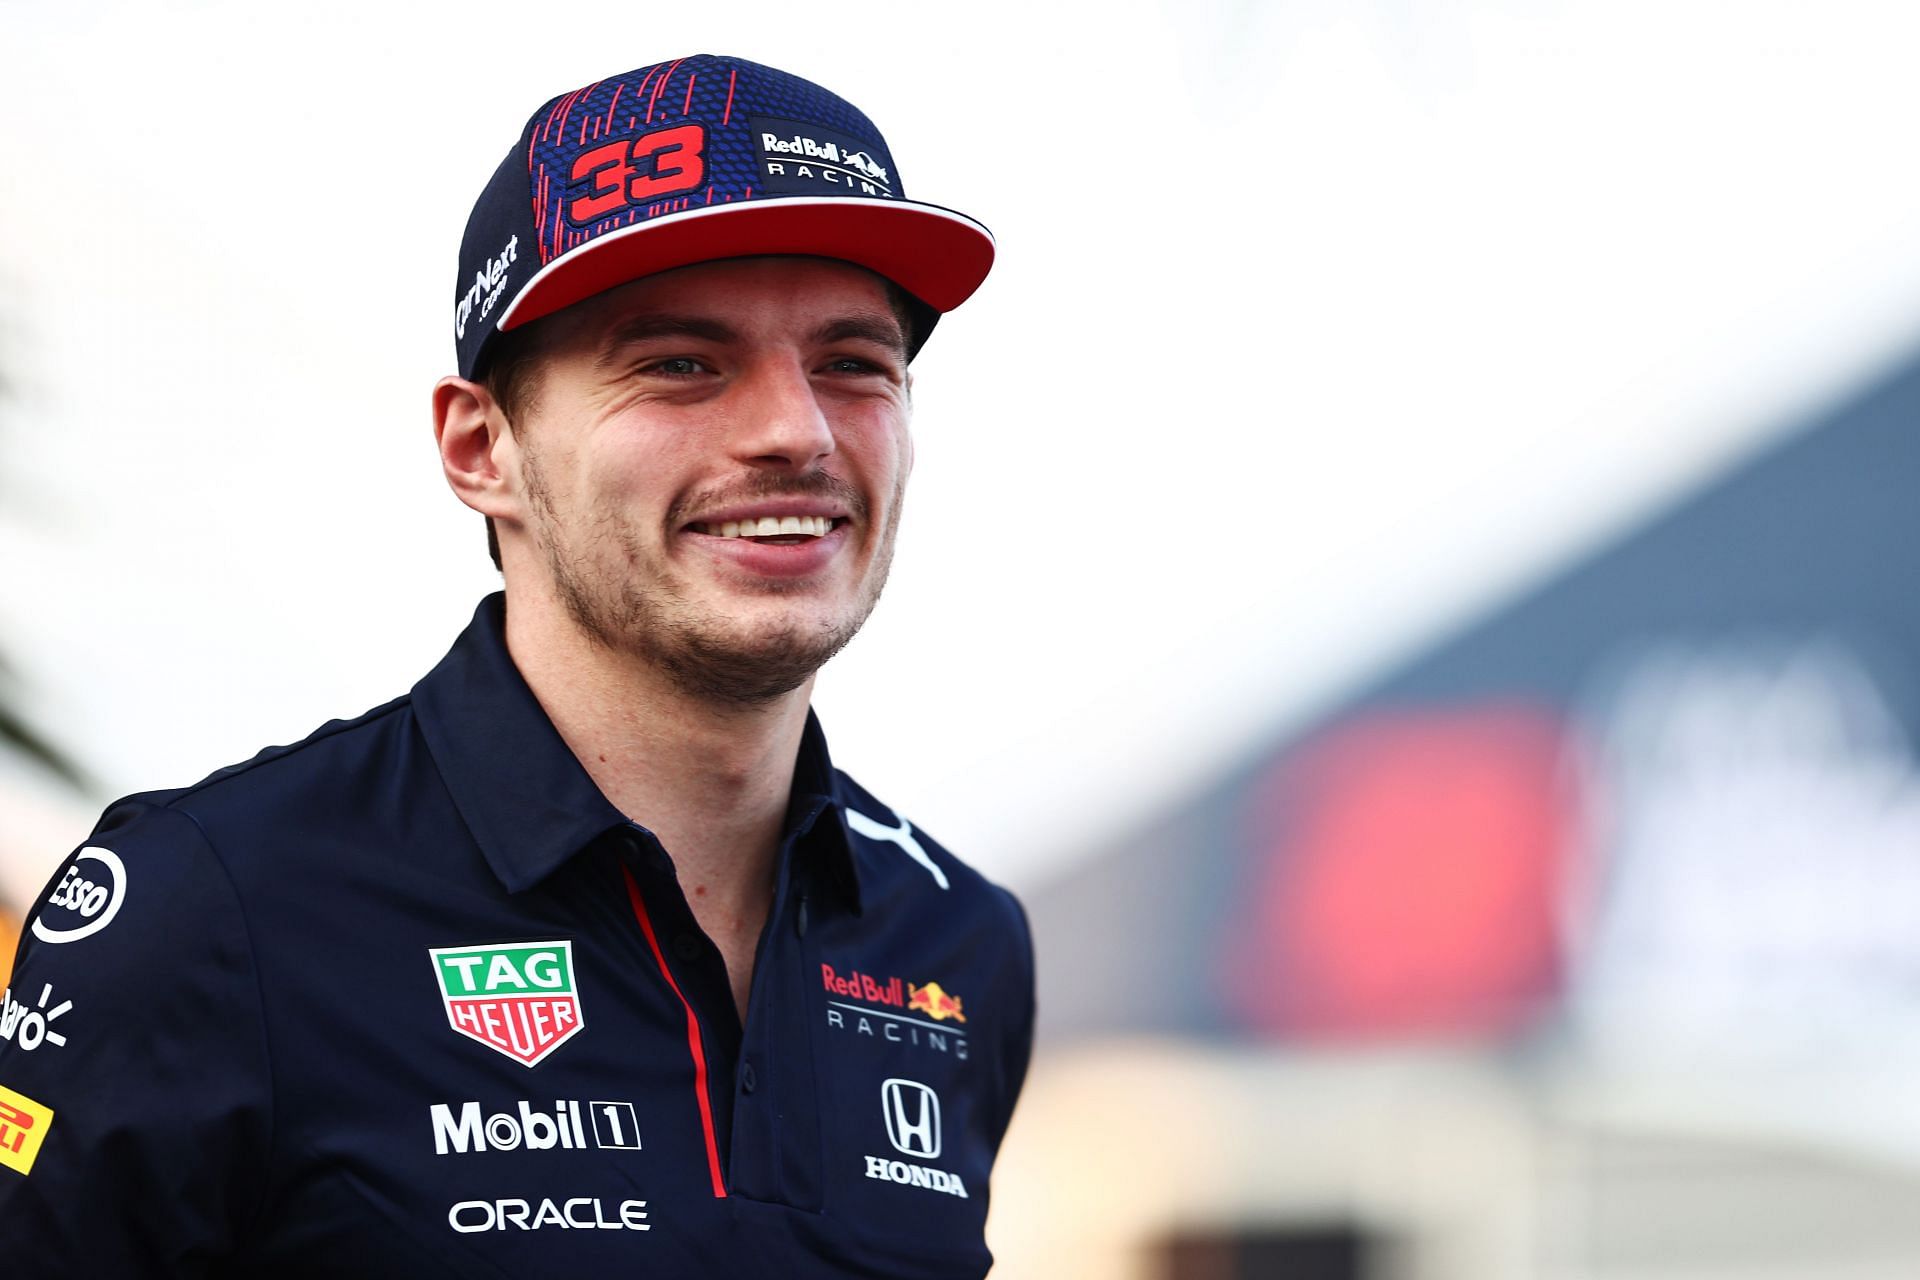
(135,1094)
(1019,1045)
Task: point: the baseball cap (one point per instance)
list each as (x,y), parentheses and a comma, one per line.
(688,161)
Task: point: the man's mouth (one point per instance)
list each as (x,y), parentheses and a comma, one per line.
(779,530)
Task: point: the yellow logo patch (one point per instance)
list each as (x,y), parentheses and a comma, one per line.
(934,1002)
(23,1127)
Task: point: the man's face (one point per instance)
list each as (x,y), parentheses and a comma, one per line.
(713,461)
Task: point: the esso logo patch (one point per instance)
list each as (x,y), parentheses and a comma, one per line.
(87,898)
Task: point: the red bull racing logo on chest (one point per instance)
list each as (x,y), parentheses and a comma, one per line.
(518,998)
(893,1010)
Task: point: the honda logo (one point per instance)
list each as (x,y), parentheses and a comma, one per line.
(913,1117)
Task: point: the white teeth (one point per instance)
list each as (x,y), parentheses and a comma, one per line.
(770,527)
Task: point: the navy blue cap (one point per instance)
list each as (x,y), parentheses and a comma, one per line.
(689,161)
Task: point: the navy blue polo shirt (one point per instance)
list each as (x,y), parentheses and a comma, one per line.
(411,998)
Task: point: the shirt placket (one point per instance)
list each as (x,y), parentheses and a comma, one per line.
(690,966)
(755,1084)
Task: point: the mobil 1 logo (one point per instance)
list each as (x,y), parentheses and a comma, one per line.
(568,1126)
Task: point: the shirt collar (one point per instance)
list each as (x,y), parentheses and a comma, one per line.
(526,799)
(815,817)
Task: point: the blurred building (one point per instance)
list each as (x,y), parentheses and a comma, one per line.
(1586,945)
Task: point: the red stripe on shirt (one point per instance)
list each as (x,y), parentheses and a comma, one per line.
(693,1037)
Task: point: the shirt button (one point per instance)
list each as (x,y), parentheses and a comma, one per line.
(746,1078)
(687,947)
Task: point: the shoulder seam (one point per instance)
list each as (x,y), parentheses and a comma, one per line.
(273,754)
(260,1000)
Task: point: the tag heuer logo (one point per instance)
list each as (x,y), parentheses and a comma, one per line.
(517,997)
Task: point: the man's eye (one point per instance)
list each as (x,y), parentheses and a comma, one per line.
(677,367)
(852,364)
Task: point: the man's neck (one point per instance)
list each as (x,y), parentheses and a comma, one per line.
(712,781)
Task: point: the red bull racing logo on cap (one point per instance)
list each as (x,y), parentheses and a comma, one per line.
(798,157)
(517,998)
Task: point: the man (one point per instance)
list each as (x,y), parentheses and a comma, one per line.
(582,958)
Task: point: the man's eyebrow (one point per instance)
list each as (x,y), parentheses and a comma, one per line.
(884,330)
(645,327)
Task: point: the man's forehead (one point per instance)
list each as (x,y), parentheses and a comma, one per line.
(743,294)
(736,300)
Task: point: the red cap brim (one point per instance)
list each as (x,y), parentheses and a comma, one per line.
(935,254)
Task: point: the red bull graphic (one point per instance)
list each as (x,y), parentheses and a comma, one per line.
(866,164)
(893,1011)
(800,157)
(934,1002)
(930,999)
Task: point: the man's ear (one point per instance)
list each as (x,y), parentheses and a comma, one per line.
(476,446)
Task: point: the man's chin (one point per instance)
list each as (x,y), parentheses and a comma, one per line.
(749,669)
(722,644)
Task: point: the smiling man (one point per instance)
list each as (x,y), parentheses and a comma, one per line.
(582,958)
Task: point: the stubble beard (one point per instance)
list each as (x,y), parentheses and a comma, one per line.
(708,654)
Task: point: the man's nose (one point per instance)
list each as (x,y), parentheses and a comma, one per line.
(781,422)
